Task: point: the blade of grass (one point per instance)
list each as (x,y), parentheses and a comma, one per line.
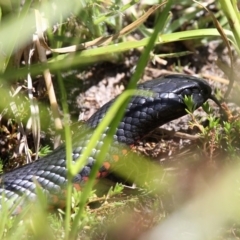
(99,54)
(132,84)
(111,116)
(13,41)
(125,46)
(232,13)
(67,131)
(225,40)
(233,18)
(111,119)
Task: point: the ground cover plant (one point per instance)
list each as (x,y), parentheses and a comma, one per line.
(49,48)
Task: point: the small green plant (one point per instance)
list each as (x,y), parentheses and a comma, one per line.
(44,151)
(217,135)
(189,103)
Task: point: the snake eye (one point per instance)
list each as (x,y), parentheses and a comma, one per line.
(189,91)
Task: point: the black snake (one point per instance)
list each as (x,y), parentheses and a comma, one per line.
(143,115)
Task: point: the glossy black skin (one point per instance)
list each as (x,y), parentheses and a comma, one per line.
(145,114)
(142,116)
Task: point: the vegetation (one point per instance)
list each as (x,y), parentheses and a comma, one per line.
(81,34)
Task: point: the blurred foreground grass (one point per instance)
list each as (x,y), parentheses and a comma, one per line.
(82,33)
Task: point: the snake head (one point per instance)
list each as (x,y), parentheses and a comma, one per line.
(144,114)
(189,86)
(174,88)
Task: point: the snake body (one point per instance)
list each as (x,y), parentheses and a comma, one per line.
(143,115)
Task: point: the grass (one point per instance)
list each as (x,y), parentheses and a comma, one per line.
(87,25)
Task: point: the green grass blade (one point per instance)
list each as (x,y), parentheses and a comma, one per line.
(133,82)
(233,18)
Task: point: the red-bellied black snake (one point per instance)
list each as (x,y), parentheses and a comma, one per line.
(143,115)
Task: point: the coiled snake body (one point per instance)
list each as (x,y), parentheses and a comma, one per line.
(142,116)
